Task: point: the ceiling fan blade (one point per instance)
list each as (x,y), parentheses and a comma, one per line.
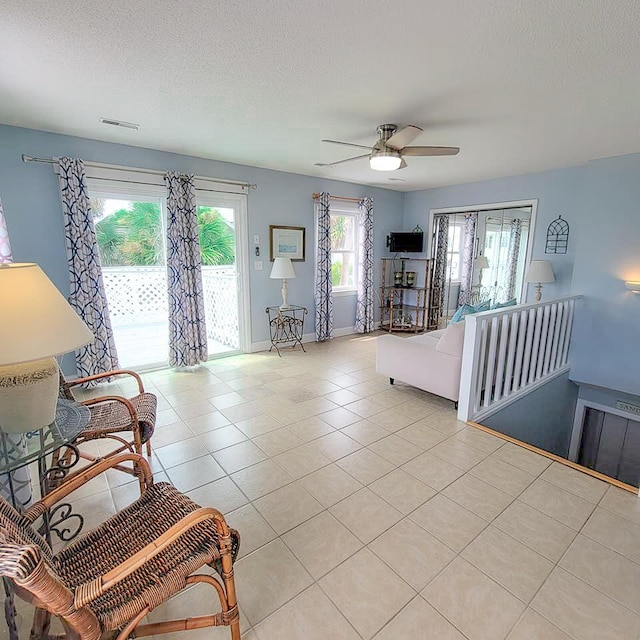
(333,164)
(430,151)
(347,144)
(405,136)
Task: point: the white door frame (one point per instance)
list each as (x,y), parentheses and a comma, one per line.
(578,422)
(237,202)
(488,207)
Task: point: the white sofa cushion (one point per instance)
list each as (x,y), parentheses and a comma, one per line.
(452,339)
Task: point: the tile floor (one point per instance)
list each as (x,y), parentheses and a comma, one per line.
(369,511)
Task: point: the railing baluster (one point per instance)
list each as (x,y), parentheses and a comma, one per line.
(556,338)
(565,348)
(502,354)
(563,334)
(526,367)
(491,362)
(522,332)
(511,354)
(543,341)
(482,358)
(549,333)
(535,354)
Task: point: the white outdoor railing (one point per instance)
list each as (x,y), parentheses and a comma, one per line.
(138,295)
(509,352)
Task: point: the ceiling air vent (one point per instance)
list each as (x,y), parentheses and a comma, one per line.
(120,123)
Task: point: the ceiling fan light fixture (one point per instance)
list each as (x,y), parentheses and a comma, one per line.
(385,159)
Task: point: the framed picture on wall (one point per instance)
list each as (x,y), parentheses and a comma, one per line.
(286,242)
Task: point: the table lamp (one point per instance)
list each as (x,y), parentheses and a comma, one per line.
(482,262)
(282,268)
(539,271)
(36,324)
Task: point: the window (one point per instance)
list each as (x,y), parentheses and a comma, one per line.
(344,250)
(454,250)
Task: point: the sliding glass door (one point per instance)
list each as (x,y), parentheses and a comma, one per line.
(131,233)
(222,230)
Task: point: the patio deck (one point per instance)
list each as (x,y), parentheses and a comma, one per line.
(145,346)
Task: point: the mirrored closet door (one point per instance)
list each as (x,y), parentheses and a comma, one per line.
(479,257)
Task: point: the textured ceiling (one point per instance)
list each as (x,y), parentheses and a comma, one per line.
(519,85)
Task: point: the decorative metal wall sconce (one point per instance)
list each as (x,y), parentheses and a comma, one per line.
(557,236)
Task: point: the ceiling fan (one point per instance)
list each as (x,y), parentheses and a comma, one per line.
(388,153)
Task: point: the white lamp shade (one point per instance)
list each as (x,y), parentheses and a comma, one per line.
(282,269)
(540,271)
(36,321)
(482,262)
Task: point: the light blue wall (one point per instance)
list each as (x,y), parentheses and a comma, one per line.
(557,193)
(605,397)
(32,208)
(606,340)
(543,418)
(601,202)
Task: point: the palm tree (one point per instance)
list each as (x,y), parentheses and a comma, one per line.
(217,238)
(133,237)
(109,235)
(143,245)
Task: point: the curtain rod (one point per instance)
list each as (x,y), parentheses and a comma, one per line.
(317,195)
(26,158)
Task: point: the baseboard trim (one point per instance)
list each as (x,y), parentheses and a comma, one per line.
(265,345)
(555,458)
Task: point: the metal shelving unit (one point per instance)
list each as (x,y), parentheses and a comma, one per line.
(405,294)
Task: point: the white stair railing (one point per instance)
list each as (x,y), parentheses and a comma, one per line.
(509,352)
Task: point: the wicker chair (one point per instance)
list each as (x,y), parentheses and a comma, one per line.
(107,580)
(113,416)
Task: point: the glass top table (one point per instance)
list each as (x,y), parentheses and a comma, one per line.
(20,449)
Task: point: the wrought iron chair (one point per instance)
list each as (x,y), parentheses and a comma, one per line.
(112,416)
(108,579)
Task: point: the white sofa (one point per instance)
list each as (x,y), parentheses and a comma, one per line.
(429,361)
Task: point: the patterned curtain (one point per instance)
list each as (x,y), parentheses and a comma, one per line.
(15,487)
(87,295)
(364,304)
(322,295)
(5,245)
(187,328)
(440,247)
(512,258)
(466,268)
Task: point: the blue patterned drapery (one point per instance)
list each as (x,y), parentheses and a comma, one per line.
(364,303)
(187,328)
(440,249)
(5,245)
(515,232)
(466,268)
(87,295)
(322,295)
